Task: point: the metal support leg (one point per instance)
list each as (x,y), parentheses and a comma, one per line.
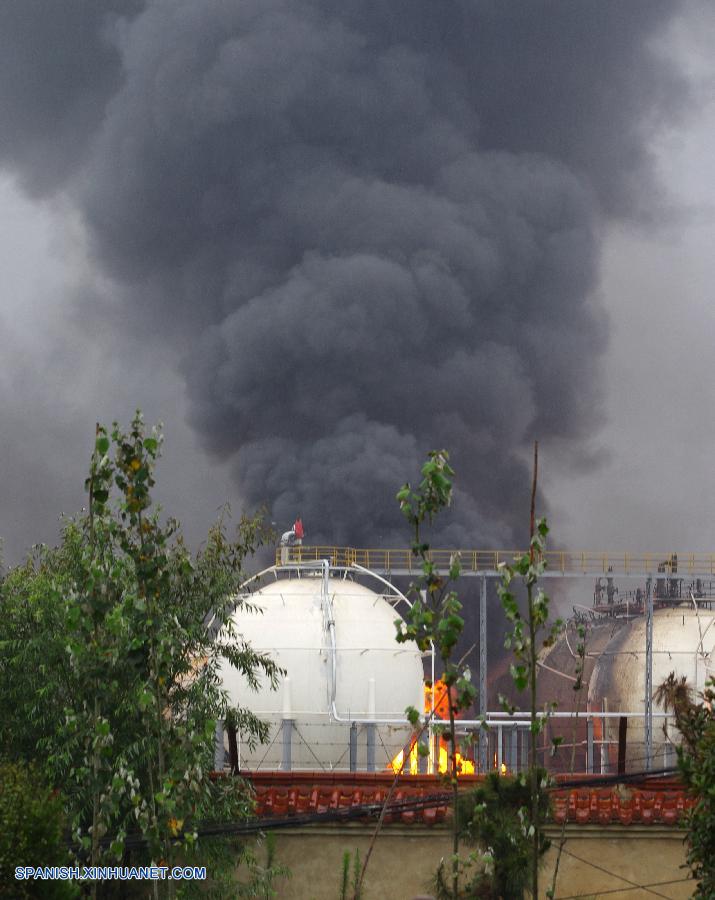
(370,747)
(500,748)
(483,734)
(287,744)
(353,746)
(589,746)
(219,749)
(604,744)
(422,761)
(513,758)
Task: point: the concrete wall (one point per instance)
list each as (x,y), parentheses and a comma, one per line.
(595,860)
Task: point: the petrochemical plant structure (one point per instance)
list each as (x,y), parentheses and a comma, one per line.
(341,704)
(678,636)
(327,617)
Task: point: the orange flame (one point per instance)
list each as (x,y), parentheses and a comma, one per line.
(441,711)
(464,766)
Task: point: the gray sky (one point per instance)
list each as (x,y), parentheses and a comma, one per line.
(203,233)
(656,491)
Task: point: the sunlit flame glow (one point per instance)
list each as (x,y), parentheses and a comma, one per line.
(412,765)
(464,766)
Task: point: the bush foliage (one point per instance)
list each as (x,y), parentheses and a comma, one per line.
(31,833)
(696,760)
(112,646)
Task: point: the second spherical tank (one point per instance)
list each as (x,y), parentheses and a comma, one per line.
(683,643)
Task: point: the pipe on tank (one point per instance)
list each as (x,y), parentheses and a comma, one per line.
(330,627)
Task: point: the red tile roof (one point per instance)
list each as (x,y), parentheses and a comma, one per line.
(294,793)
(606,806)
(286,794)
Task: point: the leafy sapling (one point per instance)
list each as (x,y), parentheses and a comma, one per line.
(435,617)
(525,642)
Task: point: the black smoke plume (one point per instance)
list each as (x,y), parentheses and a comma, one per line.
(368,228)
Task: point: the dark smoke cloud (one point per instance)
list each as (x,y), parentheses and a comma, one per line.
(58,70)
(368,228)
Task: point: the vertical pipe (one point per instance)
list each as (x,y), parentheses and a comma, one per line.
(353,746)
(483,735)
(525,738)
(513,759)
(500,748)
(649,679)
(589,745)
(371,725)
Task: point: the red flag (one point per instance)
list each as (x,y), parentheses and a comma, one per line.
(298,529)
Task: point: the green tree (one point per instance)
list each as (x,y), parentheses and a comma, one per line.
(696,761)
(131,633)
(492,816)
(506,816)
(434,618)
(525,642)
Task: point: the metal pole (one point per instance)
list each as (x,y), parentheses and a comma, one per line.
(483,734)
(513,758)
(589,746)
(649,678)
(371,726)
(422,762)
(371,747)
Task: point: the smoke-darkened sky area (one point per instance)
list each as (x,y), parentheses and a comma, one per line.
(319,239)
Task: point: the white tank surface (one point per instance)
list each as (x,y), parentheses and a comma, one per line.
(344,671)
(683,642)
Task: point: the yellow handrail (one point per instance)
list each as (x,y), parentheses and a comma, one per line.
(665,565)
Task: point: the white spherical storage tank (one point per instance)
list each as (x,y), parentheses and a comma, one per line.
(683,643)
(347,679)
